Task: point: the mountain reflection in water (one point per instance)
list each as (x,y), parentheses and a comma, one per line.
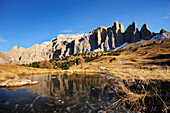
(59,93)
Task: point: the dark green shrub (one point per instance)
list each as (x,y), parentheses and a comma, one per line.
(35,65)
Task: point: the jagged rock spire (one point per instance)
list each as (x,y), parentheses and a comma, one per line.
(121,28)
(132,33)
(145,33)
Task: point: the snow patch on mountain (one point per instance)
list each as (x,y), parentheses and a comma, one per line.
(161,36)
(126,43)
(97,50)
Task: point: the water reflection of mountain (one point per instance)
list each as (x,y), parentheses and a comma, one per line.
(67,89)
(62,94)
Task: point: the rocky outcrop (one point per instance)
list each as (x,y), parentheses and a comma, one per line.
(100,39)
(69,45)
(36,53)
(163,31)
(67,37)
(83,45)
(108,37)
(132,33)
(5,59)
(145,33)
(14,54)
(118,30)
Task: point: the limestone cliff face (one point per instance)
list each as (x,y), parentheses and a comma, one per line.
(5,59)
(69,45)
(36,53)
(109,37)
(118,30)
(14,54)
(102,38)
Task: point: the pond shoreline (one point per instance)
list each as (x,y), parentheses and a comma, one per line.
(136,95)
(124,73)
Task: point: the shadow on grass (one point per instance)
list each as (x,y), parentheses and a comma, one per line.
(160,56)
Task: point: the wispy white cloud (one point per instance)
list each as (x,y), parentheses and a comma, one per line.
(166,13)
(2,40)
(67,31)
(166,17)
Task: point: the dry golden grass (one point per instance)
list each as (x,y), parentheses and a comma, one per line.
(13,71)
(123,71)
(138,64)
(145,99)
(127,97)
(130,73)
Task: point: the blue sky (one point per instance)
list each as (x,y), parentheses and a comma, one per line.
(28,22)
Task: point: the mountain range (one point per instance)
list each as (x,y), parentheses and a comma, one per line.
(100,39)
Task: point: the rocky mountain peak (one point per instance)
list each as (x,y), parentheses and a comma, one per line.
(14,48)
(116,25)
(145,33)
(145,26)
(132,33)
(100,28)
(35,45)
(121,28)
(134,23)
(163,31)
(68,37)
(21,49)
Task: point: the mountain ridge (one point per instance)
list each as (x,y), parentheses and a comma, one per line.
(101,39)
